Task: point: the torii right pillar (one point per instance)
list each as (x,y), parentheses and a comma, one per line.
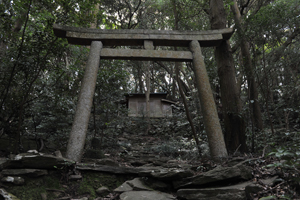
(211,120)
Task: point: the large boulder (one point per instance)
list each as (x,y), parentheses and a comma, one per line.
(220,175)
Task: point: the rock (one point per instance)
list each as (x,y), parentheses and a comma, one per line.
(33,151)
(4,162)
(39,161)
(269,181)
(7,196)
(44,196)
(102,191)
(75,177)
(136,184)
(13,180)
(234,192)
(94,153)
(28,172)
(253,189)
(146,195)
(106,161)
(157,185)
(123,188)
(176,164)
(58,154)
(219,174)
(109,169)
(167,174)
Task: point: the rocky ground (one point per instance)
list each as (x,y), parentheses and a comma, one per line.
(144,167)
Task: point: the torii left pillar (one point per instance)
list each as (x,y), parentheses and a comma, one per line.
(84,104)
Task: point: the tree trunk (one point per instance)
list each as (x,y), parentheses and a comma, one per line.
(148,45)
(187,112)
(180,87)
(235,137)
(247,62)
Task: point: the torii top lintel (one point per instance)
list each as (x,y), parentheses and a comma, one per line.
(136,37)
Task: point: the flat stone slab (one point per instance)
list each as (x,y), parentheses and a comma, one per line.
(109,169)
(136,37)
(14,180)
(219,174)
(136,184)
(38,161)
(167,173)
(146,195)
(234,192)
(28,172)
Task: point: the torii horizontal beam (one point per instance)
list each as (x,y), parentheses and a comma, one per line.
(136,37)
(146,55)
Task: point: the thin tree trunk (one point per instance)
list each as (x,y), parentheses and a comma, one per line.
(148,45)
(141,84)
(187,112)
(180,87)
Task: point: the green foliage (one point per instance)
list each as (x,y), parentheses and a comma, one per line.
(289,157)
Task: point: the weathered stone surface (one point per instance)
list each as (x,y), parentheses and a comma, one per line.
(107,161)
(27,172)
(253,189)
(237,172)
(78,132)
(44,196)
(38,161)
(125,187)
(269,181)
(75,177)
(136,184)
(84,36)
(58,154)
(110,169)
(139,54)
(13,180)
(4,162)
(102,191)
(234,192)
(157,185)
(167,174)
(146,195)
(209,110)
(7,196)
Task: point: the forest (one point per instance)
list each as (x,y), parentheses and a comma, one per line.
(254,77)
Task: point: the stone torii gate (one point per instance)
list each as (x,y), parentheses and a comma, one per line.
(98,38)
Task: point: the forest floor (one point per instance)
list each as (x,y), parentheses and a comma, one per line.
(136,149)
